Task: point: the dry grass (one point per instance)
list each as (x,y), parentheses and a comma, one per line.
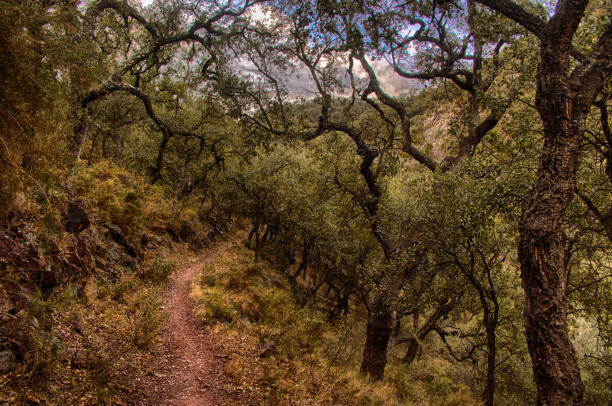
(75,341)
(285,354)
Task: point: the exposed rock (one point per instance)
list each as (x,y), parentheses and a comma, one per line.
(75,219)
(11,354)
(8,361)
(46,279)
(144,240)
(268,351)
(117,235)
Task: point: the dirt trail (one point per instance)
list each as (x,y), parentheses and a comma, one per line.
(185,371)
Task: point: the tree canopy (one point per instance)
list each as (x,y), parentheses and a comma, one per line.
(438,172)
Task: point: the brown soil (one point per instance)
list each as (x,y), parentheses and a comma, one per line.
(186,369)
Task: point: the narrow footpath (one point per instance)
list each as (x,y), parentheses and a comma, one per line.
(184,370)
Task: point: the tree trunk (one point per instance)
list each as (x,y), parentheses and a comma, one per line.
(411,352)
(563,99)
(264,237)
(81,133)
(541,244)
(257,244)
(489,392)
(341,307)
(379,330)
(553,359)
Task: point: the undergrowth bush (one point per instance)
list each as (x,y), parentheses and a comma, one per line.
(123,198)
(117,290)
(292,354)
(73,339)
(160,270)
(41,346)
(147,319)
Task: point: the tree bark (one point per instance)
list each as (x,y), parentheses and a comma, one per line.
(81,133)
(544,279)
(541,244)
(411,352)
(379,330)
(563,99)
(489,392)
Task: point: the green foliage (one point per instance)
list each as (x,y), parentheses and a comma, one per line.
(169,138)
(122,198)
(44,59)
(117,290)
(286,351)
(148,319)
(160,270)
(42,346)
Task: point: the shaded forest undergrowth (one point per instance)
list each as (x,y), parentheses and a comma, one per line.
(281,347)
(81,288)
(446,233)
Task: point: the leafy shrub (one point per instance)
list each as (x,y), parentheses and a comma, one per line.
(160,270)
(442,385)
(123,198)
(100,368)
(292,352)
(148,320)
(218,306)
(208,279)
(41,346)
(118,289)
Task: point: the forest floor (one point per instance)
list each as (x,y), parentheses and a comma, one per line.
(185,368)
